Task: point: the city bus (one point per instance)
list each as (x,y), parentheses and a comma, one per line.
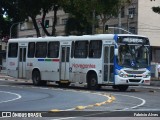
(118,60)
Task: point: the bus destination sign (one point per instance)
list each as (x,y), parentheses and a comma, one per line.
(133,40)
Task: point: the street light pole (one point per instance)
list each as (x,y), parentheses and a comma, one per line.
(12,27)
(118,28)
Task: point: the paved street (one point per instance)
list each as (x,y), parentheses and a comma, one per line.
(20,95)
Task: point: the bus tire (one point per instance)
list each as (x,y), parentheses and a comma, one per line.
(36,78)
(123,87)
(92,82)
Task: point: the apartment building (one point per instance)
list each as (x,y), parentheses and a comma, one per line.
(137,18)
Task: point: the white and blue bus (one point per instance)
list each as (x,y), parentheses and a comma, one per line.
(118,60)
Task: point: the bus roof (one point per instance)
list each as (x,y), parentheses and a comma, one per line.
(83,37)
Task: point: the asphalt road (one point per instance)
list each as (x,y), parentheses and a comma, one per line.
(77,101)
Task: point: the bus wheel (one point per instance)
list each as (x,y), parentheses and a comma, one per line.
(36,78)
(92,82)
(122,87)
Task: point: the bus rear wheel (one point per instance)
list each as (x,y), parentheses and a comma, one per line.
(92,82)
(36,78)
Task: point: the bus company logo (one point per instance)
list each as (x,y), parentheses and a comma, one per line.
(83,66)
(6,114)
(12,63)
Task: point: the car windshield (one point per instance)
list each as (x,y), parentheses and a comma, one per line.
(133,56)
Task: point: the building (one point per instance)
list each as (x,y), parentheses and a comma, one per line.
(27,28)
(138,18)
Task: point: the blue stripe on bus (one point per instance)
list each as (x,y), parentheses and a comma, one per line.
(40,59)
(115,37)
(149,68)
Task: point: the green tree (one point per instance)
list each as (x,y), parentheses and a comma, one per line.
(80,16)
(7,8)
(46,6)
(89,10)
(19,10)
(75,26)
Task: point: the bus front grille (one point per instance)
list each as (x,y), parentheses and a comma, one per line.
(134,80)
(134,72)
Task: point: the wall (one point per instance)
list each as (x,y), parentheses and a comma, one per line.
(148,21)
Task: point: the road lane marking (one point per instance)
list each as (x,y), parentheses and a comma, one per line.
(18,96)
(109,97)
(133,107)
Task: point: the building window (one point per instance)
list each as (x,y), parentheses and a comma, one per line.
(64,21)
(131,11)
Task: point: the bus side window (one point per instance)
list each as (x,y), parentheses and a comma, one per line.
(41,49)
(81,49)
(53,49)
(13,50)
(95,49)
(72,51)
(31,50)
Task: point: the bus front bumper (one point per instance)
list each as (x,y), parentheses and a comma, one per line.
(132,81)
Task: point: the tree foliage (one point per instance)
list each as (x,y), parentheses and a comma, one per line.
(20,10)
(7,9)
(89,10)
(83,12)
(32,8)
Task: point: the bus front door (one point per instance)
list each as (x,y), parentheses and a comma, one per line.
(22,62)
(108,69)
(64,67)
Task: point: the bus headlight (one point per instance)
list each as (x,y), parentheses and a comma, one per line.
(147,75)
(121,74)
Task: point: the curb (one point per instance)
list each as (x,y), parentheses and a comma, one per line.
(80,108)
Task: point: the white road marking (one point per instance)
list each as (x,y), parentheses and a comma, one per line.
(16,98)
(142,103)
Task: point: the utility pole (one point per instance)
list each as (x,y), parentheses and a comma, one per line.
(119,21)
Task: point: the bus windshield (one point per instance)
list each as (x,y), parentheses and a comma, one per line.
(133,55)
